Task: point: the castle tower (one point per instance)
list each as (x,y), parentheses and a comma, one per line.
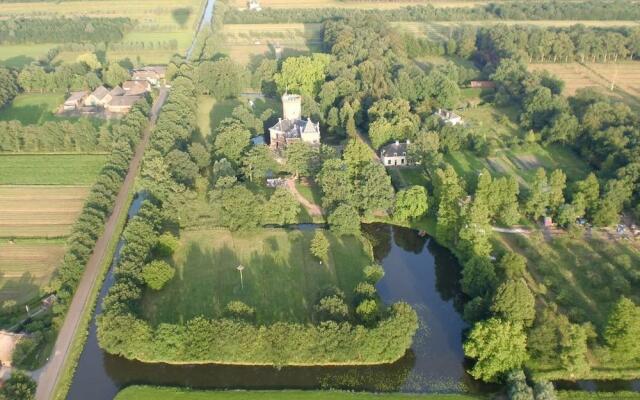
(291,106)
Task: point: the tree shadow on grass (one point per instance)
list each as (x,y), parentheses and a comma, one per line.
(21,290)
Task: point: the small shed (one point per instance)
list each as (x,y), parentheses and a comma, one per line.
(547,221)
(74,101)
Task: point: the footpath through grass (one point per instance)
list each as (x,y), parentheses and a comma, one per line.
(281,279)
(152,393)
(50,169)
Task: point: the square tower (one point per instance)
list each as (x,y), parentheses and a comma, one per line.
(291,106)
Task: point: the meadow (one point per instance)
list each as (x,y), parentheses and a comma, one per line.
(32,108)
(26,267)
(17,56)
(39,211)
(246,43)
(212,111)
(50,169)
(157,393)
(281,279)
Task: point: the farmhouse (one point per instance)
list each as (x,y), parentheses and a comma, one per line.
(74,101)
(292,128)
(155,75)
(395,154)
(482,84)
(116,91)
(449,117)
(98,98)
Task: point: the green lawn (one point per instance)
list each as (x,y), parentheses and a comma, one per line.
(311,192)
(282,280)
(19,55)
(151,393)
(50,169)
(582,395)
(32,108)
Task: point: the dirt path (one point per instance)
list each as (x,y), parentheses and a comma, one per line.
(312,209)
(51,372)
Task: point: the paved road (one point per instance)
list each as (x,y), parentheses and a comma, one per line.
(51,372)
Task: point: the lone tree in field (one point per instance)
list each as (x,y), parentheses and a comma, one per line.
(320,246)
(623,330)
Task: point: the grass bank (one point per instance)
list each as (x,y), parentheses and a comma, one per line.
(154,393)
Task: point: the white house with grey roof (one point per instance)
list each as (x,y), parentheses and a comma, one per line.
(292,128)
(395,154)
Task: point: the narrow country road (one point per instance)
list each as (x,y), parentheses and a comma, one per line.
(51,372)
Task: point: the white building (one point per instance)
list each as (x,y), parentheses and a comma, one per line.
(292,127)
(395,154)
(254,5)
(449,117)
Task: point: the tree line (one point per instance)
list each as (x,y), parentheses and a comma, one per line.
(97,208)
(81,136)
(625,10)
(8,86)
(60,29)
(171,169)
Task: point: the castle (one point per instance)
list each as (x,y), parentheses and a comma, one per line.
(292,128)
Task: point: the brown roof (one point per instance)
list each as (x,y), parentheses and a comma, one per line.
(116,91)
(75,96)
(136,87)
(100,92)
(124,101)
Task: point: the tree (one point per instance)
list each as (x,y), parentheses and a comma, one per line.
(373,188)
(281,209)
(449,193)
(478,277)
(344,220)
(336,183)
(239,310)
(557,183)
(332,308)
(240,208)
(517,386)
(544,390)
(90,60)
(391,120)
(425,149)
(231,139)
(303,75)
(411,203)
(514,301)
(222,79)
(200,155)
(258,162)
(373,273)
(538,199)
(513,265)
(623,330)
(573,349)
(475,229)
(182,169)
(302,158)
(498,346)
(157,273)
(320,246)
(115,74)
(166,245)
(356,154)
(368,311)
(18,387)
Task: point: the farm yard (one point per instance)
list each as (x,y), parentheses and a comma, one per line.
(162,28)
(282,280)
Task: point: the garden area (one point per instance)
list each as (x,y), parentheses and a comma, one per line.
(282,281)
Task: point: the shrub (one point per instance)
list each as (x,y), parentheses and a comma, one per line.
(239,310)
(368,311)
(167,245)
(332,308)
(373,273)
(365,290)
(19,387)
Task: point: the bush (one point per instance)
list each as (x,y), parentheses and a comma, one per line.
(517,386)
(332,308)
(19,387)
(157,273)
(167,245)
(365,290)
(368,311)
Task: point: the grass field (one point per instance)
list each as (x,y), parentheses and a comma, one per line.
(39,211)
(623,77)
(32,108)
(156,22)
(521,163)
(245,43)
(601,270)
(282,280)
(151,393)
(26,266)
(17,56)
(212,111)
(49,169)
(377,4)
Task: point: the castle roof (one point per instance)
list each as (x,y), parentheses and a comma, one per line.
(294,128)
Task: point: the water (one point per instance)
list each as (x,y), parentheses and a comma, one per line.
(206,20)
(417,271)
